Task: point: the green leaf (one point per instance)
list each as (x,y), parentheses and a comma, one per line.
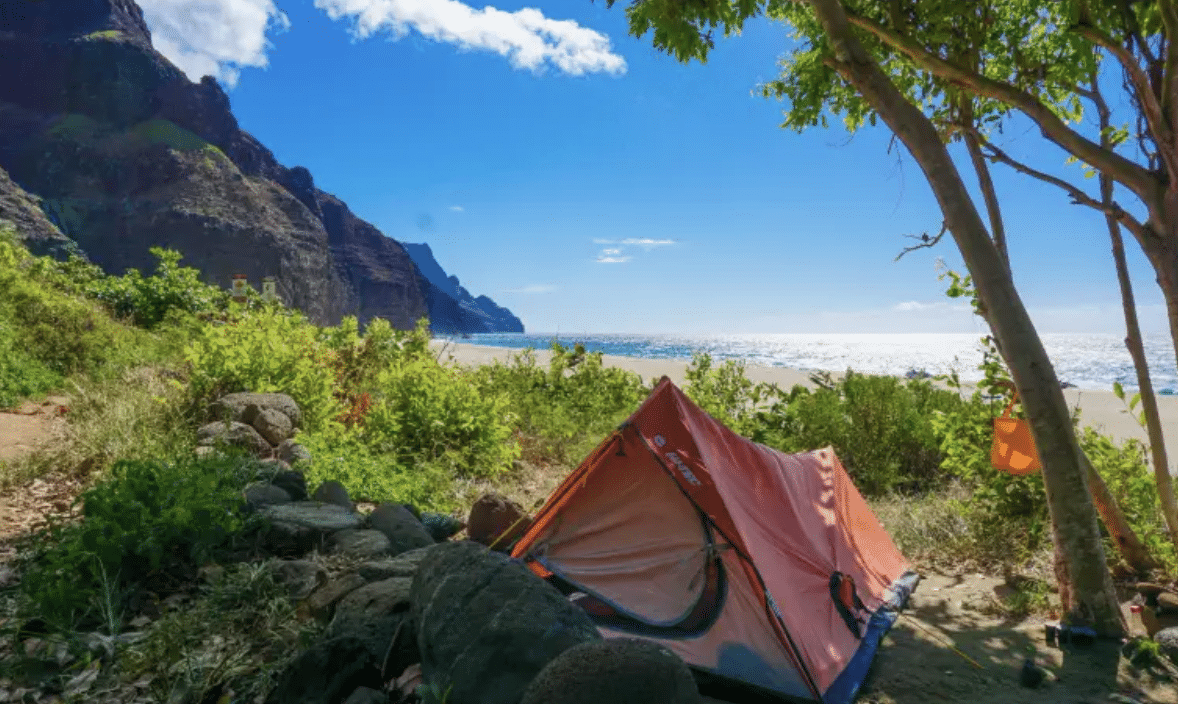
(1118,390)
(1135,400)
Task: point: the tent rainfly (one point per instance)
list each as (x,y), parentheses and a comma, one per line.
(758,568)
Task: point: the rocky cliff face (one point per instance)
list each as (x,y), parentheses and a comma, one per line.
(121,152)
(451,307)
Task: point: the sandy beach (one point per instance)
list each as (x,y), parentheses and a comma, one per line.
(1099,409)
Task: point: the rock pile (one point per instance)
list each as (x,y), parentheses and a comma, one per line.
(416,616)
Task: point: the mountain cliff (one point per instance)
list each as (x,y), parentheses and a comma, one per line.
(120,152)
(448,301)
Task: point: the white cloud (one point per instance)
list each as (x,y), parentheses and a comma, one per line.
(599,241)
(213,37)
(526,37)
(647,243)
(610,252)
(533,288)
(613,260)
(915,306)
(457,208)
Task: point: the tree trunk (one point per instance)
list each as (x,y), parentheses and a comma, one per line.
(1132,550)
(1149,402)
(1093,601)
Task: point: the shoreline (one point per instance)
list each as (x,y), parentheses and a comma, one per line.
(1101,410)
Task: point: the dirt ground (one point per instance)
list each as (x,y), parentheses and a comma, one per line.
(22,430)
(918,661)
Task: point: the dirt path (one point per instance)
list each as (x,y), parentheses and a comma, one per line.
(23,507)
(918,663)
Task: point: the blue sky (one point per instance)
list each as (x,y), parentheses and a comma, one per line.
(591,184)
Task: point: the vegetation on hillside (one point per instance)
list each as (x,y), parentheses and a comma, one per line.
(143,355)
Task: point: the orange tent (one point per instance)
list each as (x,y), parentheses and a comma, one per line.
(756,567)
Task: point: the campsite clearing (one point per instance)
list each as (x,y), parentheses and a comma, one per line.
(917,663)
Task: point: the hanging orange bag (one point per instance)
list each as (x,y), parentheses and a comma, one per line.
(1014,448)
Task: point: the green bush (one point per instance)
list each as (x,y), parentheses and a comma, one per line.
(1127,472)
(879,426)
(147,300)
(563,411)
(21,375)
(373,476)
(726,394)
(66,334)
(144,518)
(423,411)
(270,350)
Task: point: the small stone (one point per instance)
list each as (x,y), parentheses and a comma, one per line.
(496,521)
(260,495)
(233,406)
(292,482)
(403,530)
(292,452)
(271,424)
(403,565)
(332,492)
(367,695)
(322,602)
(234,434)
(359,543)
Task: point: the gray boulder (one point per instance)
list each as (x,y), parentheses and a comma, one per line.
(233,434)
(322,603)
(403,565)
(299,527)
(367,695)
(300,577)
(273,425)
(359,543)
(259,495)
(403,530)
(374,613)
(233,406)
(293,482)
(486,626)
(1167,638)
(326,673)
(292,453)
(618,671)
(332,492)
(497,521)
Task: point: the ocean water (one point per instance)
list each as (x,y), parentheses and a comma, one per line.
(1087,361)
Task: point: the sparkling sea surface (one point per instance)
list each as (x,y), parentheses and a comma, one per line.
(1088,361)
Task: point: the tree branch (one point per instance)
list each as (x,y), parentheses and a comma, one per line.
(925,241)
(1150,107)
(1078,196)
(1131,175)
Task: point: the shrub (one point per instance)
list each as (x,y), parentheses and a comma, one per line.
(425,411)
(726,394)
(65,334)
(147,301)
(1127,472)
(21,375)
(373,476)
(265,351)
(562,412)
(145,518)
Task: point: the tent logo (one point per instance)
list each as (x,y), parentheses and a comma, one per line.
(683,469)
(660,440)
